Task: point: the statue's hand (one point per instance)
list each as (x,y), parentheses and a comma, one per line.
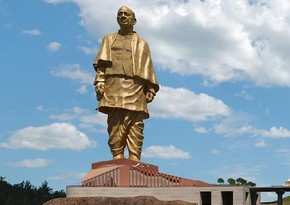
(149,96)
(99,86)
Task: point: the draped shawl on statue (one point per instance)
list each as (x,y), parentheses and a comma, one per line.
(142,62)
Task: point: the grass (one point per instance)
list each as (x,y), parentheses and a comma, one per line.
(286,201)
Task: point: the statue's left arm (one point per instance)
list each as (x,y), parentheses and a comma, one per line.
(143,67)
(150,92)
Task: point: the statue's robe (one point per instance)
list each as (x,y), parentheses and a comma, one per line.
(126,88)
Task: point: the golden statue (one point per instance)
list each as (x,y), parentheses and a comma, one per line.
(125,82)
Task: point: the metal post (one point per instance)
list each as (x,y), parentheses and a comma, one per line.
(280,196)
(253,197)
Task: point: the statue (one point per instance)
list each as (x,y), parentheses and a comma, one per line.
(125,82)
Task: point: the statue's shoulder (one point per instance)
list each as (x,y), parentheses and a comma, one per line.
(140,39)
(111,35)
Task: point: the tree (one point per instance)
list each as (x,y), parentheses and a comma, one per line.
(44,193)
(251,184)
(220,181)
(241,181)
(231,181)
(59,194)
(25,193)
(238,181)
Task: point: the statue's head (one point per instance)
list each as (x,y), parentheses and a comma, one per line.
(126,17)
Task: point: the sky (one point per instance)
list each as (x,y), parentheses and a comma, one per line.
(222,110)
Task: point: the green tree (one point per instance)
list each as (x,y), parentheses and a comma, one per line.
(251,184)
(241,181)
(220,181)
(231,181)
(25,193)
(59,194)
(44,193)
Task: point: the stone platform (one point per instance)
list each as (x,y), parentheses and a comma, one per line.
(127,178)
(128,173)
(213,195)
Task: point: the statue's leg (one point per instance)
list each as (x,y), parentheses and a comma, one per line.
(135,136)
(117,133)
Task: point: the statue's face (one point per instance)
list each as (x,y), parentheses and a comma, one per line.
(125,17)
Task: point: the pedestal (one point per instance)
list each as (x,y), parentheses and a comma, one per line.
(127,178)
(128,173)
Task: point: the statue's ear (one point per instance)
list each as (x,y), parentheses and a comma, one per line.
(135,21)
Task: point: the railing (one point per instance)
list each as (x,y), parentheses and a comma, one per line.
(147,178)
(107,179)
(138,177)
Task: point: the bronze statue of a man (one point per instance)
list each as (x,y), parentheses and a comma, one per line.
(125,82)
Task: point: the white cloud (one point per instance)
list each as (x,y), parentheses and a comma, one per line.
(32,163)
(244,94)
(234,125)
(62,117)
(57,1)
(89,50)
(208,38)
(230,125)
(180,103)
(215,151)
(98,118)
(33,32)
(200,129)
(68,176)
(261,143)
(54,46)
(82,89)
(283,155)
(165,152)
(52,136)
(273,132)
(73,72)
(86,118)
(283,151)
(40,108)
(246,171)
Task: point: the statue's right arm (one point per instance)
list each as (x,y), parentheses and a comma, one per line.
(100,74)
(99,81)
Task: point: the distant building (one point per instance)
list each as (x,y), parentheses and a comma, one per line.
(287,182)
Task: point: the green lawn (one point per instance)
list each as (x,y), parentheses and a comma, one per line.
(286,201)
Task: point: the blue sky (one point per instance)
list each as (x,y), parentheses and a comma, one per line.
(222,110)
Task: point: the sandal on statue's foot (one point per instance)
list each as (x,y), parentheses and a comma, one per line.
(119,156)
(134,158)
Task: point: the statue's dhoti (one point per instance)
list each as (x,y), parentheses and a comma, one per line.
(125,128)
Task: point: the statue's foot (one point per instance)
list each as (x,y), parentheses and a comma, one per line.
(119,156)
(134,158)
